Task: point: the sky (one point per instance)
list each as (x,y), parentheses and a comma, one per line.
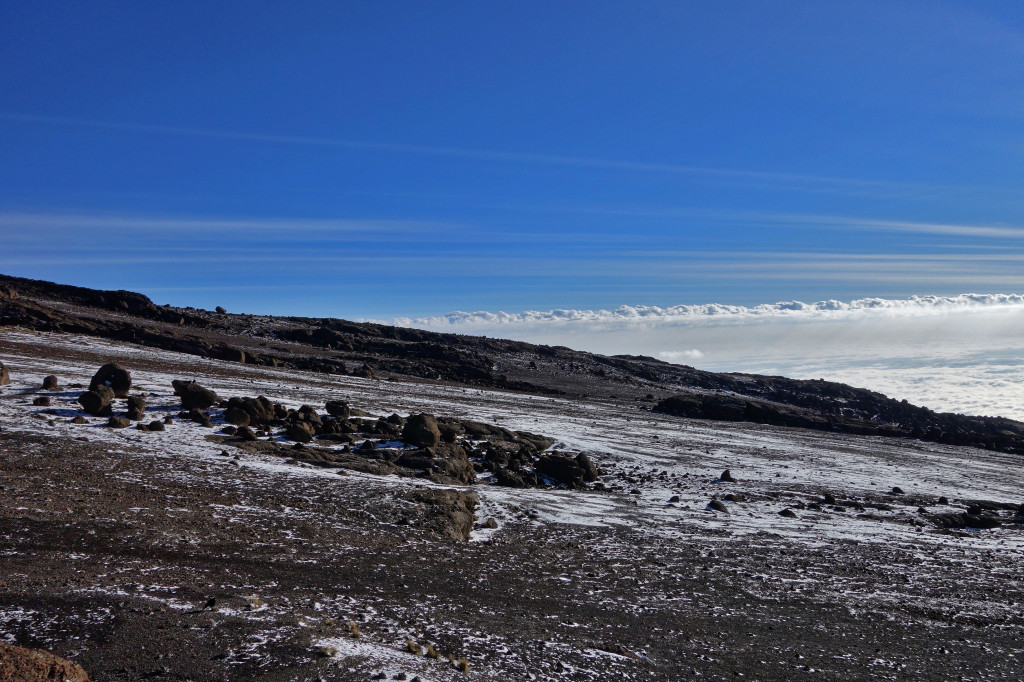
(383,160)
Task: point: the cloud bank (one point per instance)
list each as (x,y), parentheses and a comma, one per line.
(961,353)
(721,313)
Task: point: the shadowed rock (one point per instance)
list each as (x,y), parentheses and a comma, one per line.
(50,383)
(136,407)
(421,430)
(194,396)
(115,376)
(97,401)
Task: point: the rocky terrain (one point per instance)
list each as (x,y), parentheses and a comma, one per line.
(208,496)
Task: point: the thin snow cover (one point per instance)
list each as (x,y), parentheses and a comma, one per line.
(959,353)
(660,458)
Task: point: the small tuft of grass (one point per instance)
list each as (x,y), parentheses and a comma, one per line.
(463,665)
(413,647)
(431,652)
(353,629)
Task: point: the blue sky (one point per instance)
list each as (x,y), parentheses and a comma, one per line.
(383,159)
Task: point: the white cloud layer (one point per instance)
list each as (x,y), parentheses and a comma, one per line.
(960,353)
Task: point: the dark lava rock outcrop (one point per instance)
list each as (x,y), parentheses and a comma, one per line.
(114,376)
(194,396)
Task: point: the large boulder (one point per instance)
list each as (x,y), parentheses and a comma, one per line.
(193,396)
(300,432)
(50,383)
(36,665)
(338,408)
(561,468)
(259,411)
(115,376)
(97,401)
(421,430)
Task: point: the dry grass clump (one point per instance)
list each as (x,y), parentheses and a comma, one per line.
(353,629)
(413,647)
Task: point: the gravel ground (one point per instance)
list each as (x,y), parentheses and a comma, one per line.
(152,555)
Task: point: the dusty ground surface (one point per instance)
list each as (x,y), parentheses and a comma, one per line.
(114,542)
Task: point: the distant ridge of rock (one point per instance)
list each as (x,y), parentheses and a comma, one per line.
(341,347)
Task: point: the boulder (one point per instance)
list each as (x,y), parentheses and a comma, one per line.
(136,407)
(727,477)
(259,409)
(590,471)
(194,396)
(42,401)
(718,506)
(118,423)
(36,665)
(97,401)
(5,376)
(245,433)
(236,414)
(562,468)
(338,408)
(300,432)
(115,376)
(421,430)
(509,479)
(50,383)
(156,425)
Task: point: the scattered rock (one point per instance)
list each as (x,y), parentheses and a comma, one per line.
(236,414)
(828,498)
(338,409)
(489,523)
(245,433)
(896,490)
(113,375)
(220,311)
(421,430)
(118,422)
(563,468)
(136,407)
(718,505)
(42,401)
(727,477)
(300,432)
(943,500)
(156,425)
(588,468)
(674,498)
(79,420)
(194,396)
(50,383)
(229,430)
(36,665)
(788,513)
(97,401)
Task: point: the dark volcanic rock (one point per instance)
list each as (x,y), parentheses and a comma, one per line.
(115,376)
(35,665)
(788,513)
(338,408)
(421,430)
(118,422)
(136,407)
(509,479)
(719,506)
(50,383)
(562,468)
(300,432)
(97,402)
(41,401)
(156,425)
(245,433)
(449,511)
(727,477)
(194,396)
(590,471)
(235,414)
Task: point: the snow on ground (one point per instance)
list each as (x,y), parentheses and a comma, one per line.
(651,459)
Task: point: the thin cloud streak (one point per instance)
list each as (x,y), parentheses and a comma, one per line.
(483,154)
